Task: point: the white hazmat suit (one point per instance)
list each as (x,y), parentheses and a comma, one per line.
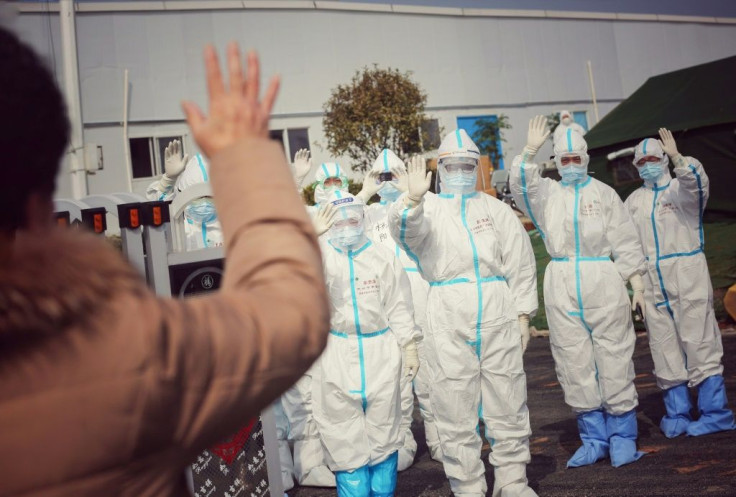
(594,248)
(478,260)
(377,230)
(684,337)
(201,225)
(357,400)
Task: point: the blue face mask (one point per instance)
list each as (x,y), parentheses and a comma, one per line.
(573,174)
(201,211)
(346,237)
(459,183)
(389,193)
(651,172)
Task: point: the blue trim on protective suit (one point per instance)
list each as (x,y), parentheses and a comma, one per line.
(478,283)
(385,161)
(202,168)
(569,139)
(581,259)
(459,139)
(701,201)
(356,317)
(378,333)
(666,301)
(524,192)
(644,146)
(578,282)
(455,281)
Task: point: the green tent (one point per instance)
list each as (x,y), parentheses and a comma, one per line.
(698,104)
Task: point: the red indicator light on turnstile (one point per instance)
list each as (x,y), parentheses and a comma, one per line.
(99,223)
(62,221)
(135,220)
(157,217)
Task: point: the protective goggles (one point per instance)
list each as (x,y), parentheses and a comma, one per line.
(647,158)
(464,165)
(334,181)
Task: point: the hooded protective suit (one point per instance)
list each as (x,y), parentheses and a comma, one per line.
(567,122)
(478,260)
(684,337)
(310,465)
(201,225)
(377,230)
(594,248)
(357,403)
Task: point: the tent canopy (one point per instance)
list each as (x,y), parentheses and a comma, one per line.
(698,104)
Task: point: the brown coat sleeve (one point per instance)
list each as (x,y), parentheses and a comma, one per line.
(218,360)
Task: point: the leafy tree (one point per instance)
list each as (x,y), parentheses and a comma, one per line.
(488,136)
(379,108)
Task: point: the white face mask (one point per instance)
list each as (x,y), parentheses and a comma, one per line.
(566,120)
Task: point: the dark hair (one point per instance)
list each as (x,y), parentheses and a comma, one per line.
(34,129)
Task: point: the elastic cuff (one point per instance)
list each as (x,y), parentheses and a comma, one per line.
(166,182)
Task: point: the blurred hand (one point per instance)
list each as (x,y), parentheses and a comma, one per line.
(235,113)
(302,165)
(371,186)
(324,219)
(174,163)
(403,179)
(668,142)
(537,133)
(419,180)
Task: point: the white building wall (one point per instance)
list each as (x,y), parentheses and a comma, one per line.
(467,65)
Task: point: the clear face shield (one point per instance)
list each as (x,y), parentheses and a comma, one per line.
(348,231)
(458,174)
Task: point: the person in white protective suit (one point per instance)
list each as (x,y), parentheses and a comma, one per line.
(478,260)
(567,122)
(357,402)
(282,433)
(595,249)
(389,164)
(684,337)
(201,225)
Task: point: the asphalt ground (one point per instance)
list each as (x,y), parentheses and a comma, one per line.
(685,466)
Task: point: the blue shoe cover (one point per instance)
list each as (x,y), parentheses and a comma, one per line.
(677,404)
(715,415)
(592,428)
(356,483)
(383,476)
(622,433)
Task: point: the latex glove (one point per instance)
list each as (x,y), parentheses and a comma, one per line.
(370,186)
(236,110)
(411,360)
(637,300)
(302,165)
(524,328)
(174,163)
(324,219)
(668,143)
(537,134)
(419,180)
(403,179)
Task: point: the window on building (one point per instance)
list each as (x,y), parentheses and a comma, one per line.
(430,134)
(581,117)
(147,155)
(291,139)
(624,172)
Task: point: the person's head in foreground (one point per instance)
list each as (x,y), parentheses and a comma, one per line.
(34,136)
